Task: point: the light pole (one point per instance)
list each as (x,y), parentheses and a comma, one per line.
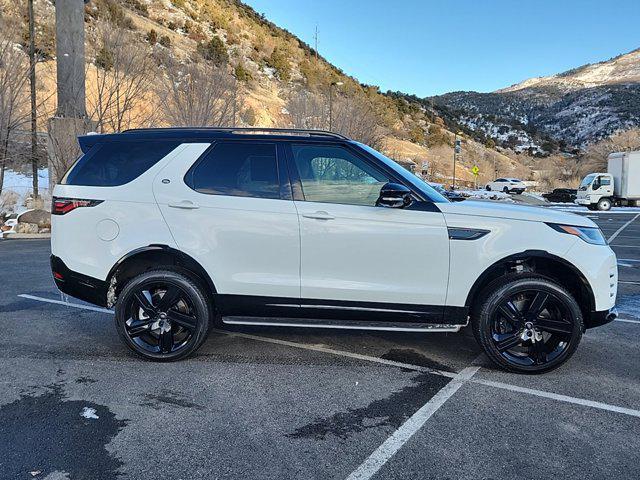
(456,151)
(333,84)
(32,84)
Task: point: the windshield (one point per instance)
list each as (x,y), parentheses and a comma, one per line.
(412,179)
(587,181)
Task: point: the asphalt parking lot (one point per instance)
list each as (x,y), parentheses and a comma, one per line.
(271,403)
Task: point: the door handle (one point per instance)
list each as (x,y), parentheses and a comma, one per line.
(185,205)
(320,215)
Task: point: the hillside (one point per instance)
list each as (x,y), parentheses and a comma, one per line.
(246,65)
(542,115)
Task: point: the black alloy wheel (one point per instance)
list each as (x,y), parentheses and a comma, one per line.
(162,315)
(529,325)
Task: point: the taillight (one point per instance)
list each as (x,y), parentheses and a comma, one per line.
(60,206)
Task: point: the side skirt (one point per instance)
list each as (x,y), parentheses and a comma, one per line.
(308,310)
(342,325)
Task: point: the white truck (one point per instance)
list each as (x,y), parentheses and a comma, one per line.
(619,186)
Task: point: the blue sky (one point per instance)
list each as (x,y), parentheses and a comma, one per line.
(431,47)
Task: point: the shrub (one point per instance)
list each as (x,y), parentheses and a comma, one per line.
(214,50)
(152,37)
(242,74)
(165,41)
(278,61)
(104,59)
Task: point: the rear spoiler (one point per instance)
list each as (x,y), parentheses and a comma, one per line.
(89,140)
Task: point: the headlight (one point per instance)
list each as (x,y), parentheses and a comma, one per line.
(591,235)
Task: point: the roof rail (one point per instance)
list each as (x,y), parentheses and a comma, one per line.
(247,130)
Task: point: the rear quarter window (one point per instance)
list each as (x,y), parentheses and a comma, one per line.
(116,163)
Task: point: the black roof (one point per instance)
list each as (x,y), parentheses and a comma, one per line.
(204,133)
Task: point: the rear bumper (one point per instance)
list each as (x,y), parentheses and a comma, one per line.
(78,285)
(597,319)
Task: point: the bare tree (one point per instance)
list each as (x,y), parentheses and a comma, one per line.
(14,97)
(123,77)
(353,116)
(308,110)
(199,94)
(356,118)
(595,159)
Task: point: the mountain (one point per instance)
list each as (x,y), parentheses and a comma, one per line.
(544,114)
(147,44)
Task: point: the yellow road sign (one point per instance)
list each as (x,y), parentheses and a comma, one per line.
(475,170)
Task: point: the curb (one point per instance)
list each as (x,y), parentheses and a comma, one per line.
(23,236)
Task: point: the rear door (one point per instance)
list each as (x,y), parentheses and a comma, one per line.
(231,211)
(357,256)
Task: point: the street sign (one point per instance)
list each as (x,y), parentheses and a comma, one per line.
(475,170)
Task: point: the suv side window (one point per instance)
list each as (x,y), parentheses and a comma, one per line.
(239,169)
(332,174)
(115,163)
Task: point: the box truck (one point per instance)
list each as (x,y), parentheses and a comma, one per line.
(620,186)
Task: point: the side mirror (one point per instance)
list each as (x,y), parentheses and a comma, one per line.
(394,195)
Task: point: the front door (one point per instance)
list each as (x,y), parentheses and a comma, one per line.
(230,212)
(357,256)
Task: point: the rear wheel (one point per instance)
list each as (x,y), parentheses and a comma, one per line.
(604,204)
(505,189)
(162,315)
(527,324)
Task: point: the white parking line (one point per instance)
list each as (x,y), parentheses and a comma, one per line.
(627,320)
(391,445)
(68,304)
(341,353)
(558,397)
(613,237)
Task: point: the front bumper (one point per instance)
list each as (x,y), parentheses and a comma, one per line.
(78,285)
(582,201)
(597,319)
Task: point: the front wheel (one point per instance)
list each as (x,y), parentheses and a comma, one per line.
(488,187)
(505,189)
(162,315)
(527,324)
(604,204)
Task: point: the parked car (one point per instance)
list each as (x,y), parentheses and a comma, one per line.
(561,195)
(183,229)
(451,195)
(506,185)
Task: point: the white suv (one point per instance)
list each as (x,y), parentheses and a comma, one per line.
(507,185)
(181,229)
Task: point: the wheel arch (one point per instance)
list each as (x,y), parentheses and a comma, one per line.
(544,263)
(151,257)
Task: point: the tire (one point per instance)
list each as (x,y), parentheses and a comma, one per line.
(541,331)
(505,189)
(158,328)
(604,204)
(488,187)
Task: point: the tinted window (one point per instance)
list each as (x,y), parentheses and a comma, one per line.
(237,169)
(334,175)
(116,163)
(501,180)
